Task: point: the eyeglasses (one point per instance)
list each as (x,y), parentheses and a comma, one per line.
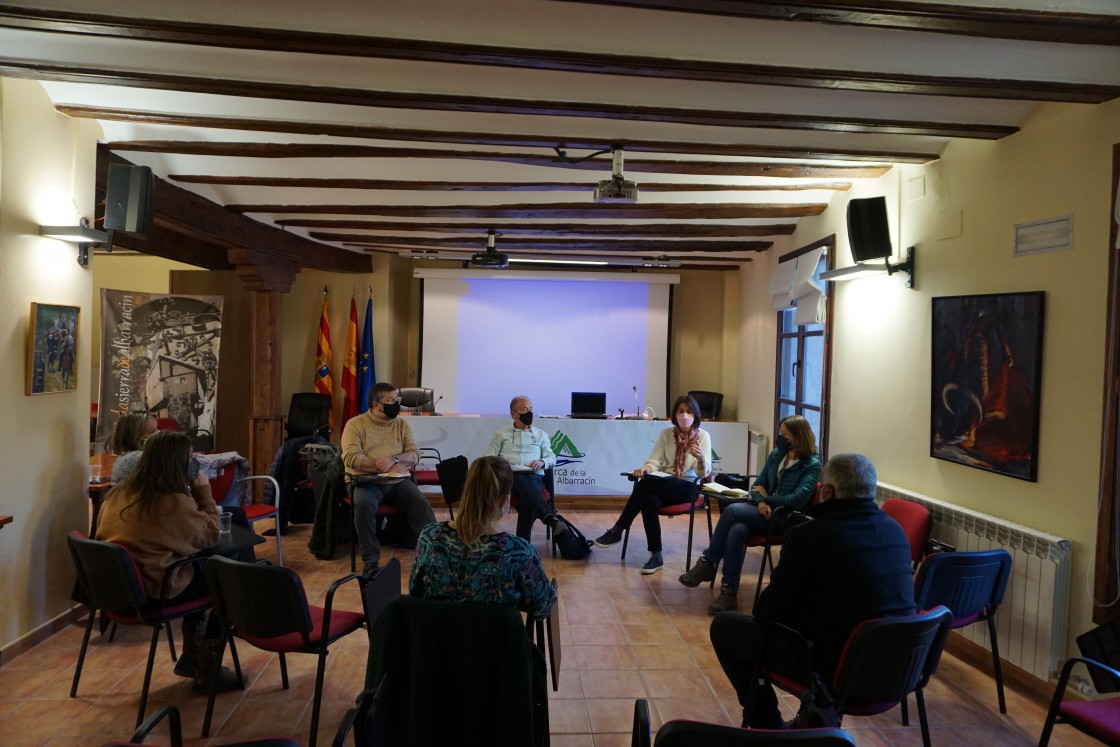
(523,410)
(393,401)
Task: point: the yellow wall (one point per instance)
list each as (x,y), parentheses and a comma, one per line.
(1060,164)
(46,177)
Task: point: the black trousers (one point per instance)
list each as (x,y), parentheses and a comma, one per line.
(529,487)
(650,494)
(737,640)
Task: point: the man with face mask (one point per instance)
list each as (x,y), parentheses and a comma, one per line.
(529,452)
(849,564)
(378,451)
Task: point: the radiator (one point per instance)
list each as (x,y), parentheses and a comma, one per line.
(757,451)
(1032,622)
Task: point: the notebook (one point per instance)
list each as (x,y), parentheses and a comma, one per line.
(589,405)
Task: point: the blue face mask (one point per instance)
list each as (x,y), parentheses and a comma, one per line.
(192,469)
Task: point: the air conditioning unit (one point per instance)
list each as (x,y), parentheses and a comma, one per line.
(490,259)
(616,190)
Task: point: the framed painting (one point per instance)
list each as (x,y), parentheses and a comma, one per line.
(987,368)
(52,349)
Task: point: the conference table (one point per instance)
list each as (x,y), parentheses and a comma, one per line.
(590,453)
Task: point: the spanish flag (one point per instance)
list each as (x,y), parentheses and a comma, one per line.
(350,367)
(323,381)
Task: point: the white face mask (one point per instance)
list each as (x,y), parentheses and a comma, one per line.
(505,509)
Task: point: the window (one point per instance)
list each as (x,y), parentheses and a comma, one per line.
(802,379)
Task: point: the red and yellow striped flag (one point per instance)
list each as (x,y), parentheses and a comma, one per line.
(323,381)
(350,367)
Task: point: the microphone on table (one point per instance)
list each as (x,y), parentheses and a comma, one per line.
(436,403)
(637,405)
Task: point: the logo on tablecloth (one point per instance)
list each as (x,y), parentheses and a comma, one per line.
(565,449)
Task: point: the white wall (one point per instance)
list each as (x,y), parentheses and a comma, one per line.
(1059,164)
(46,177)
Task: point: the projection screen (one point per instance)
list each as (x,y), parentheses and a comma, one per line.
(490,335)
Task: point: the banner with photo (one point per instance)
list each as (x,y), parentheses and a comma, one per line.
(159,353)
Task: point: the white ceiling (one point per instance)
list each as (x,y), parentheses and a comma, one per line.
(116,70)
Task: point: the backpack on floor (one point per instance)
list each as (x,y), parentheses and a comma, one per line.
(572,544)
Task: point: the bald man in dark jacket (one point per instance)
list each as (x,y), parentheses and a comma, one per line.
(850,564)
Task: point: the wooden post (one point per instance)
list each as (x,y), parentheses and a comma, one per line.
(267,278)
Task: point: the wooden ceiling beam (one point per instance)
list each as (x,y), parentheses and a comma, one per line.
(552,244)
(665,211)
(681,230)
(449,102)
(492,139)
(1041,26)
(182,212)
(995,23)
(483,186)
(601,165)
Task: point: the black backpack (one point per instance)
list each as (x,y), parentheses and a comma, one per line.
(572,544)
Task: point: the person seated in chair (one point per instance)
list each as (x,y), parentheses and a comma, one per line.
(471,559)
(529,451)
(685,453)
(130,432)
(788,479)
(849,564)
(378,451)
(163,513)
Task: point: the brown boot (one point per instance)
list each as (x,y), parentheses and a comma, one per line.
(187,665)
(228,681)
(703,572)
(727,600)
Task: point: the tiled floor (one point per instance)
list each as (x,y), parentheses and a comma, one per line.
(625,636)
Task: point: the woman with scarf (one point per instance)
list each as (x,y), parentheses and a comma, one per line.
(684,452)
(789,479)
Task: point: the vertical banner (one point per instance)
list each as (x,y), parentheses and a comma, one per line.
(366,375)
(159,353)
(324,383)
(350,367)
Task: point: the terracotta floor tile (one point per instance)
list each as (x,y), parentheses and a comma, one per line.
(624,636)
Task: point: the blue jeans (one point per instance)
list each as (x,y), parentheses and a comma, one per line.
(736,522)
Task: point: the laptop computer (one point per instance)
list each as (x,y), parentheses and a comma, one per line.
(589,405)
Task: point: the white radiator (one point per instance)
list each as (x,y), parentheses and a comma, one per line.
(1032,622)
(757,451)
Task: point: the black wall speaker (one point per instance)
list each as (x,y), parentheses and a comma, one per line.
(868,230)
(128,198)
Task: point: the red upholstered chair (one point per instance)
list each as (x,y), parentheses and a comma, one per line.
(915,520)
(384,510)
(254,512)
(883,661)
(681,509)
(771,540)
(266,606)
(547,492)
(971,585)
(175,733)
(113,584)
(1100,719)
(167,424)
(425,472)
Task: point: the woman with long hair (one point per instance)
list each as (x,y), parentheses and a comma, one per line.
(788,479)
(471,559)
(130,432)
(162,514)
(684,452)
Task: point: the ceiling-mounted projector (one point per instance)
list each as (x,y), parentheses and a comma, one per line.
(490,258)
(617,188)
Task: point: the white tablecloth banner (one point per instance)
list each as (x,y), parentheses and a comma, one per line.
(590,454)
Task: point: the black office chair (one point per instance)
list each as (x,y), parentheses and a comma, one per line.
(711,403)
(417,399)
(309,414)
